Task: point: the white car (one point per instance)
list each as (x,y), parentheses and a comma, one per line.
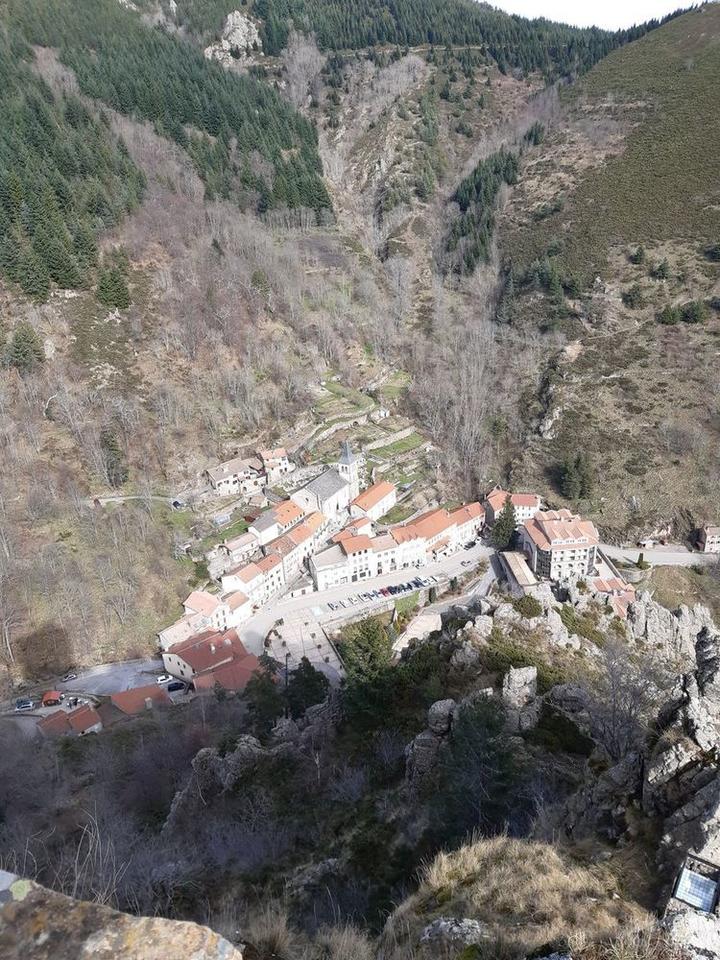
(164,678)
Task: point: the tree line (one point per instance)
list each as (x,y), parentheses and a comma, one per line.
(513,42)
(246,142)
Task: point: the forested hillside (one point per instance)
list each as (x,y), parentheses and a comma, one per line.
(246,142)
(64,177)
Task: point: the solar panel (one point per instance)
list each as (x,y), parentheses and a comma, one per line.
(696,890)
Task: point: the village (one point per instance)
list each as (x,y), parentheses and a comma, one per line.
(328,554)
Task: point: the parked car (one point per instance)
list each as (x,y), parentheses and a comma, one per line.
(175,686)
(68,677)
(164,678)
(23,703)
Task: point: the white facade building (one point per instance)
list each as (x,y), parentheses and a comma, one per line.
(238,476)
(559,544)
(526,505)
(375,501)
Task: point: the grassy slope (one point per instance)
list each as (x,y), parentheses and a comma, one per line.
(635,161)
(663,184)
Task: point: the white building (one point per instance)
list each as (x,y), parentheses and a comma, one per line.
(361,556)
(277,520)
(258,581)
(276,464)
(328,494)
(238,476)
(375,501)
(710,539)
(526,505)
(559,544)
(296,546)
(207,611)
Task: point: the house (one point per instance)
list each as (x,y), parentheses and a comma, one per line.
(240,475)
(559,544)
(360,555)
(295,547)
(276,521)
(210,659)
(183,628)
(258,581)
(73,723)
(239,549)
(140,699)
(709,541)
(233,676)
(382,413)
(617,593)
(276,464)
(375,501)
(526,505)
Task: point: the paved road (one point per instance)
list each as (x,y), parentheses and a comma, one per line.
(114,677)
(253,633)
(673,555)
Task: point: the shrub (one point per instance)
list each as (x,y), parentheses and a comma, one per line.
(528,606)
(633,297)
(581,624)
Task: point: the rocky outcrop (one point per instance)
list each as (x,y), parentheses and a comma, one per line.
(674,632)
(39,924)
(519,693)
(422,753)
(240,37)
(697,933)
(453,932)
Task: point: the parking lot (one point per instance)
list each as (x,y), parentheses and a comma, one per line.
(382,593)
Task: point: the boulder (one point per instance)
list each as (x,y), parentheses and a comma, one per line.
(421,756)
(440,716)
(39,924)
(455,932)
(697,933)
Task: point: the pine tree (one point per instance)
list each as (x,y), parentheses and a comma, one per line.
(116,468)
(576,476)
(264,697)
(33,276)
(307,687)
(504,529)
(112,289)
(25,350)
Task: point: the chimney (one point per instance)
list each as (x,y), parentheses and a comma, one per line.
(148,703)
(212,648)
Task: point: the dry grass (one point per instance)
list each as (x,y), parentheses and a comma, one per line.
(528,894)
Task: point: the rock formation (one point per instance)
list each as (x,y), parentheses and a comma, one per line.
(421,754)
(519,693)
(39,924)
(674,632)
(240,37)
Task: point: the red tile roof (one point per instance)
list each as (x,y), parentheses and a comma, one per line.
(357,544)
(63,722)
(497,497)
(209,650)
(83,718)
(200,601)
(230,676)
(561,530)
(373,495)
(287,512)
(133,701)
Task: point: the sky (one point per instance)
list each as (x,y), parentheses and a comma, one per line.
(611,14)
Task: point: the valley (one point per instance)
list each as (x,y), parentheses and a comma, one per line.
(359,383)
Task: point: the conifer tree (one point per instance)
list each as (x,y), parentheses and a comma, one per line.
(116,469)
(25,351)
(504,529)
(33,275)
(307,687)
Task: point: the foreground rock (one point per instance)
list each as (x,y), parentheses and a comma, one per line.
(38,924)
